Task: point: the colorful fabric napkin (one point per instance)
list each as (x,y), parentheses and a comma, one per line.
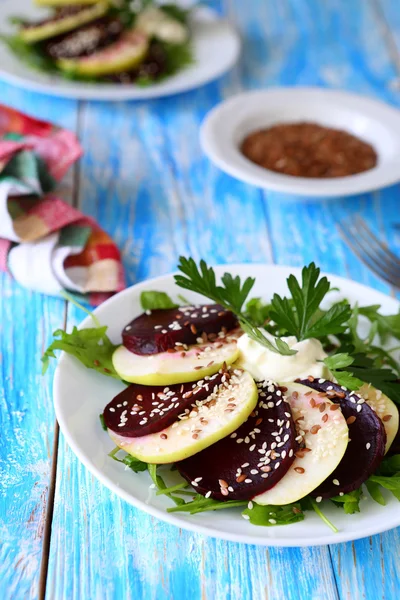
(46,244)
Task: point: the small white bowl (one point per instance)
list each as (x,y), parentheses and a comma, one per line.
(227,125)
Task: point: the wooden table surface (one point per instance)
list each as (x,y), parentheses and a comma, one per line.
(146,180)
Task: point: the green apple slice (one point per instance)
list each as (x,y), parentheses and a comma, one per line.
(123,55)
(385,409)
(52,28)
(323,429)
(167,368)
(211,419)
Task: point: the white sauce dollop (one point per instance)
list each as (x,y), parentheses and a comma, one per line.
(263,363)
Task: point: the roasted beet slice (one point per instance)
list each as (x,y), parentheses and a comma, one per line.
(366,447)
(162,330)
(251,460)
(141,409)
(85,40)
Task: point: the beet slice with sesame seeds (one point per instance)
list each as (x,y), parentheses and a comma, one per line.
(165,329)
(253,458)
(141,409)
(366,447)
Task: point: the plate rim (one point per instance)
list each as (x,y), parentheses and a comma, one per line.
(315,189)
(329,538)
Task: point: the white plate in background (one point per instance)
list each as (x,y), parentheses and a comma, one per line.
(216,47)
(80,395)
(373,121)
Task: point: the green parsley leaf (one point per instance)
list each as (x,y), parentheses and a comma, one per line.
(349,502)
(232,295)
(153,300)
(91,346)
(297,315)
(391,483)
(338,361)
(269,515)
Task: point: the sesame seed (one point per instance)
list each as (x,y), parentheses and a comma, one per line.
(318,499)
(208,494)
(246,517)
(272,521)
(368,446)
(224,491)
(194,483)
(335,482)
(111,409)
(223,483)
(248,480)
(250,505)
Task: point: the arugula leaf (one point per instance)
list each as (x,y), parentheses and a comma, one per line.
(176,12)
(232,295)
(30,54)
(103,424)
(91,346)
(385,380)
(389,466)
(152,300)
(315,506)
(134,464)
(391,483)
(161,486)
(341,361)
(297,315)
(349,502)
(201,504)
(269,515)
(375,492)
(387,325)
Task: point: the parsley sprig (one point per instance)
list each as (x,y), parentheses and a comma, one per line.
(231,294)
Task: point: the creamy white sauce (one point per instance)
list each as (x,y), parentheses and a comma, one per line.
(263,363)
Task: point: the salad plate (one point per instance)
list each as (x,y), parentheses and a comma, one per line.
(215,48)
(81,395)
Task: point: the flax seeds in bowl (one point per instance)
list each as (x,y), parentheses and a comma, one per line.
(308,150)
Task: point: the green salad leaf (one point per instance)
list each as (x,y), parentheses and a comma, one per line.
(269,516)
(152,300)
(134,464)
(349,502)
(202,504)
(90,346)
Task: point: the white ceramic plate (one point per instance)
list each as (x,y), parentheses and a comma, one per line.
(80,395)
(216,48)
(227,125)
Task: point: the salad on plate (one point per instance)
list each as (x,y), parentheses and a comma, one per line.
(117,41)
(275,408)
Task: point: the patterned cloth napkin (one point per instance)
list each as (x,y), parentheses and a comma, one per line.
(46,244)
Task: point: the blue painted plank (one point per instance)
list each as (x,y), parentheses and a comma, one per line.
(27,321)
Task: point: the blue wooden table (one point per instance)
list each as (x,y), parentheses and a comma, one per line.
(145,179)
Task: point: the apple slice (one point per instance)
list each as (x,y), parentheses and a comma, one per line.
(123,55)
(367,439)
(142,409)
(385,409)
(323,435)
(253,458)
(62,22)
(210,420)
(168,368)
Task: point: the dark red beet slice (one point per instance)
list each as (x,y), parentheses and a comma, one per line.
(141,409)
(162,330)
(85,40)
(251,460)
(367,440)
